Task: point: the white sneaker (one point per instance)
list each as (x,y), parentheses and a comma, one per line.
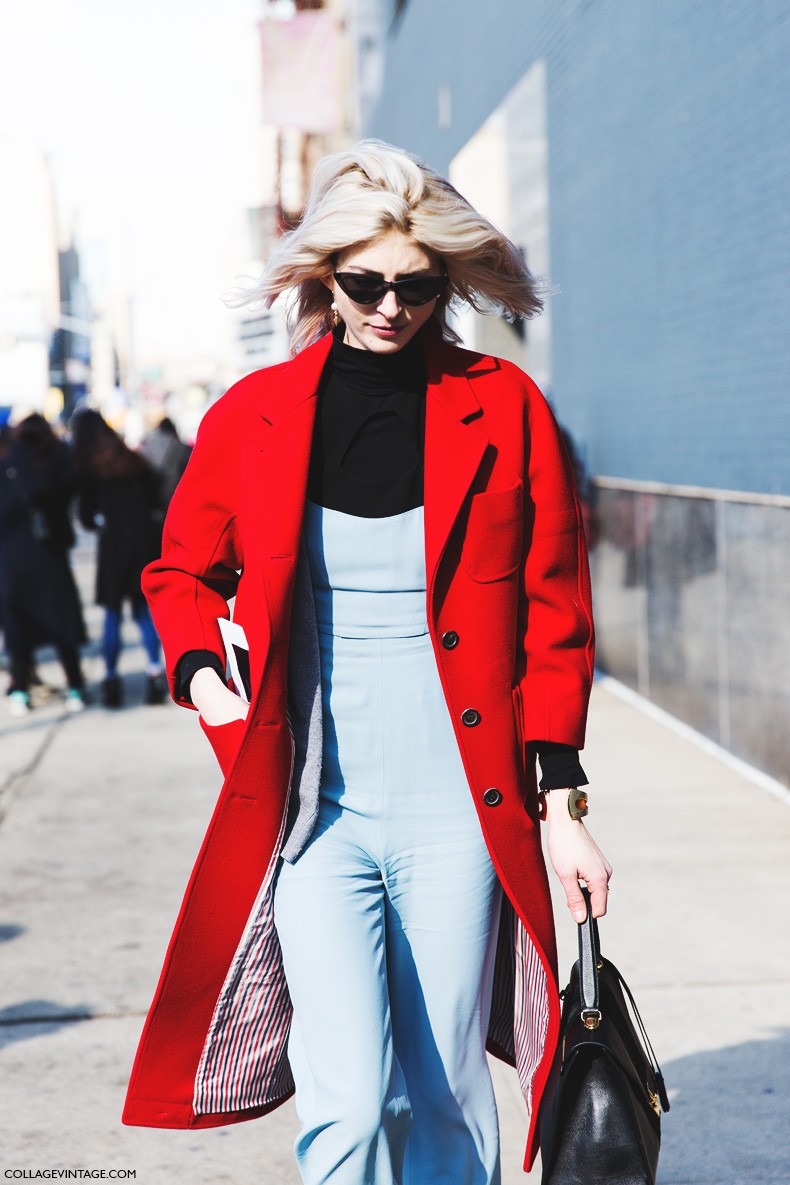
(18,703)
(74,700)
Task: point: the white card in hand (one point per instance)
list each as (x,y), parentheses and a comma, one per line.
(234,640)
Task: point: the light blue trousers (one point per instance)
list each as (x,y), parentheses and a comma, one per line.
(387,923)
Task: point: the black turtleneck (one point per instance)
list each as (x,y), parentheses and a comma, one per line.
(367,460)
(369,435)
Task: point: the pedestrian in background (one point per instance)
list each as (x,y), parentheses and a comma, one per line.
(585,488)
(38,596)
(397,521)
(118,498)
(167,455)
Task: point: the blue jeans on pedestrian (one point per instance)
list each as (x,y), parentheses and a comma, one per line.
(111,635)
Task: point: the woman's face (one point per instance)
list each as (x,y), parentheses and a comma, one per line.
(387,325)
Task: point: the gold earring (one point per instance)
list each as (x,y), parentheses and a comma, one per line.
(335,315)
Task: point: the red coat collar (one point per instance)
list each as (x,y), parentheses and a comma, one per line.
(448,368)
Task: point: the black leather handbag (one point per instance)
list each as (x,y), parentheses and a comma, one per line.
(600,1118)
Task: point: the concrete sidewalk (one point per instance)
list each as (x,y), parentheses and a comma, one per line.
(102,815)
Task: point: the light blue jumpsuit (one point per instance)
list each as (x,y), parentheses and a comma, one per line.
(387,921)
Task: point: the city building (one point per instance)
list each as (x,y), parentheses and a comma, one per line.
(29,281)
(638,154)
(70,349)
(321,65)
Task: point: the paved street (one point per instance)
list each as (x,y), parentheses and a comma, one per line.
(102,814)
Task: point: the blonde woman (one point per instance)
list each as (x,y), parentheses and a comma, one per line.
(397,521)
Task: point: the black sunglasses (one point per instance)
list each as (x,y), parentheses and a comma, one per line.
(367,288)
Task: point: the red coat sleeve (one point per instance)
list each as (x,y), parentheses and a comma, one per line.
(555,622)
(189,587)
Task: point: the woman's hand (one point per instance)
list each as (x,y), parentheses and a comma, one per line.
(216,703)
(575,856)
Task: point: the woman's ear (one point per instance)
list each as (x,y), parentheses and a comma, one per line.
(329,281)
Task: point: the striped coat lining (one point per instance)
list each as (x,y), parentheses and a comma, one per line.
(520,1001)
(244,1063)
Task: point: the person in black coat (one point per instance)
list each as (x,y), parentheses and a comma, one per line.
(118,498)
(39,602)
(167,454)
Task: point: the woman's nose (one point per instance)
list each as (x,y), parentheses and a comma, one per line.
(389,306)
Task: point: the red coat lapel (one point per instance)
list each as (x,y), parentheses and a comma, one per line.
(455,441)
(281,450)
(278,455)
(281,455)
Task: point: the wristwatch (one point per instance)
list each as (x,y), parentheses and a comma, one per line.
(577,802)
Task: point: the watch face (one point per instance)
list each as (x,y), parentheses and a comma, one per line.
(577,804)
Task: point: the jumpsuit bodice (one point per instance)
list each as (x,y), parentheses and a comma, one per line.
(380,688)
(368,574)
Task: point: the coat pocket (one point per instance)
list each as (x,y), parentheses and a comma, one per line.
(494,534)
(225,740)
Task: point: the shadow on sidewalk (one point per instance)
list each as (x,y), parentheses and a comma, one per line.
(37,1018)
(10,930)
(728,1122)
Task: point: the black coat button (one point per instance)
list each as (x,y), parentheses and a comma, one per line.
(470,717)
(450,639)
(492,796)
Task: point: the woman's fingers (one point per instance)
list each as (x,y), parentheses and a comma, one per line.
(596,874)
(597,883)
(576,903)
(599,893)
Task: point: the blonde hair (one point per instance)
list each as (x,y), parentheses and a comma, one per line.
(360,194)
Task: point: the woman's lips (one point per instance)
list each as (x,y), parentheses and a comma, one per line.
(388,330)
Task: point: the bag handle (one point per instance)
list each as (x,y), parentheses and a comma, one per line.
(589,956)
(589,963)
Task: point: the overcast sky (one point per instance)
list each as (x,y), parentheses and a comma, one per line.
(148,112)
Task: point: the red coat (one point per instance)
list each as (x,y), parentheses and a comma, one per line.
(507,572)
